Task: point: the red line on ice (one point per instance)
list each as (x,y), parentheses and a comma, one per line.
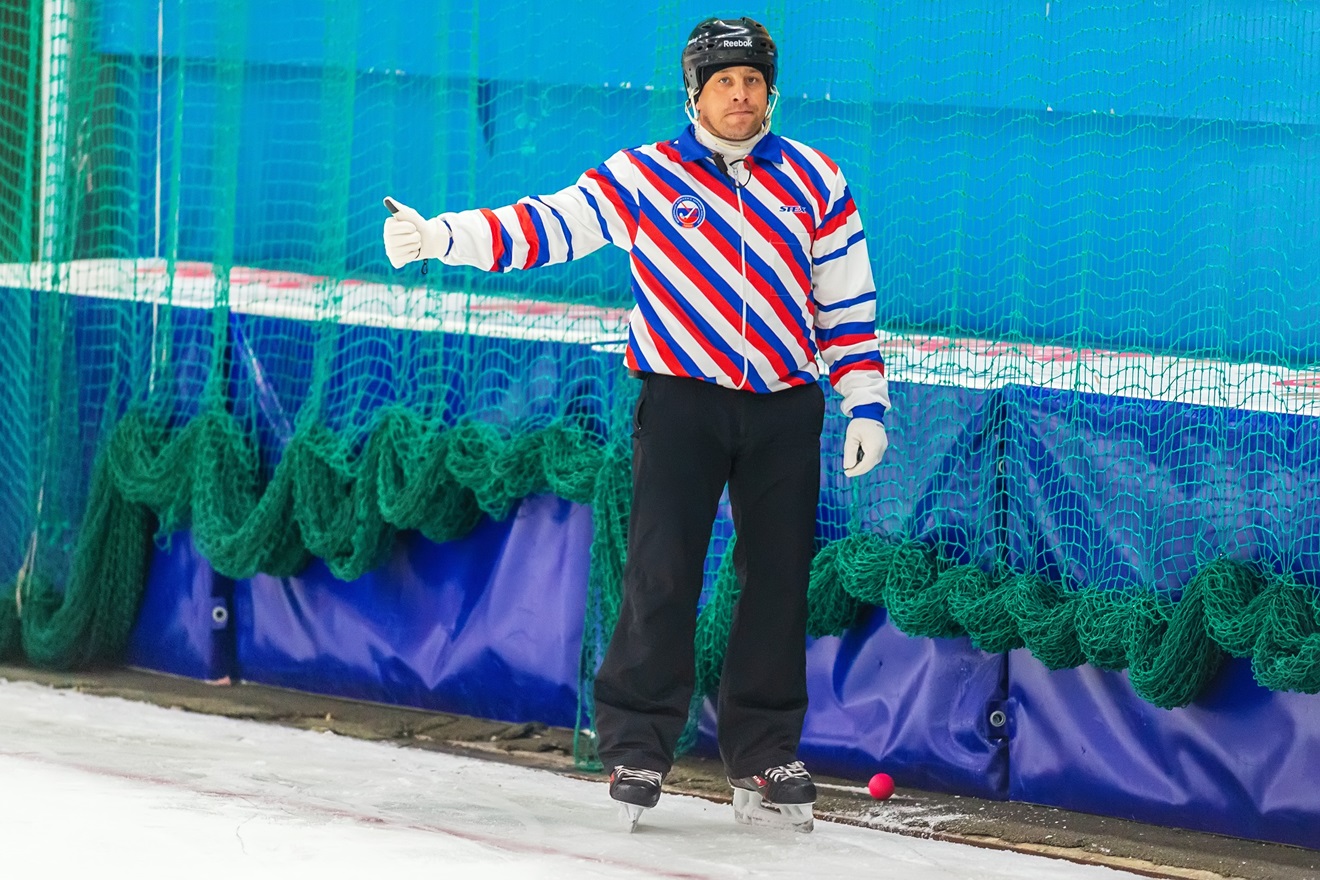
(362,818)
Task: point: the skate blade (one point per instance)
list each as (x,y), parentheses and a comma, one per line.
(750,809)
(629,814)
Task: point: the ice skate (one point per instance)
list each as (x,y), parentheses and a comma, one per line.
(781,797)
(635,790)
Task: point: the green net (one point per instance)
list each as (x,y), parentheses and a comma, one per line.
(1111,205)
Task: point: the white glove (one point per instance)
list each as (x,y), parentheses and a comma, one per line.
(410,236)
(863,446)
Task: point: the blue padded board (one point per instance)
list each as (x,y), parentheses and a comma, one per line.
(490,625)
(1240,760)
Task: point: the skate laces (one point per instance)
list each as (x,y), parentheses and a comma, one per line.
(632,774)
(795,770)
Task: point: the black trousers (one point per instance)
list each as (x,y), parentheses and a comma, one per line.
(690,438)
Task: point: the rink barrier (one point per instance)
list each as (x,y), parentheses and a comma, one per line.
(146,458)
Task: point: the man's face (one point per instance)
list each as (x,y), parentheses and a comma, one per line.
(733,102)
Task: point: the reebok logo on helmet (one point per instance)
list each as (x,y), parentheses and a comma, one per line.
(717,43)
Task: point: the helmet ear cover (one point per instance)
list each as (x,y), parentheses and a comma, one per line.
(719,43)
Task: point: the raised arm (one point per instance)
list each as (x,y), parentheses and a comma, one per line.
(599,209)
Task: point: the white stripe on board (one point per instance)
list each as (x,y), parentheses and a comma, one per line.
(922,359)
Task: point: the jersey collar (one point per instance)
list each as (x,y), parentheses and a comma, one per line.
(768,148)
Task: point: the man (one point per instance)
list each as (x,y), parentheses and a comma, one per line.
(748,261)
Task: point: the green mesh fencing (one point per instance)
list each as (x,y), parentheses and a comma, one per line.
(199,330)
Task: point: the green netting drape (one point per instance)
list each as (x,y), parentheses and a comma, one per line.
(409,475)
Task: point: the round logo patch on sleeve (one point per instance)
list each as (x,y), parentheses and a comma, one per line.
(689,212)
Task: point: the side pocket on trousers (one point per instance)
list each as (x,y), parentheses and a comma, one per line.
(641,405)
(818,410)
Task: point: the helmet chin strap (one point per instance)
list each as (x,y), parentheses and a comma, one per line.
(690,110)
(770,110)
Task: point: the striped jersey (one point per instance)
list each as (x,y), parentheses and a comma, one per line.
(747,281)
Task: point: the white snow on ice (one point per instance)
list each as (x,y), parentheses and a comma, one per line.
(98,786)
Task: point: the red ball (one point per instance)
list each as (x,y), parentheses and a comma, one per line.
(881,786)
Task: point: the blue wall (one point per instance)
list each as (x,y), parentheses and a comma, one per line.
(1121,174)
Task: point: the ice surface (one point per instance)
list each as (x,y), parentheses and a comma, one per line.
(96,786)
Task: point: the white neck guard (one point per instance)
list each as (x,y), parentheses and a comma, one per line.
(732,151)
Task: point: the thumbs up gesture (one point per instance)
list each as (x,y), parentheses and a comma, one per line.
(409,236)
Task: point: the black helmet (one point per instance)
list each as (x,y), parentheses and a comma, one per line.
(717,43)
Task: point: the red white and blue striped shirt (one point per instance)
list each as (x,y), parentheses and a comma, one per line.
(743,286)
